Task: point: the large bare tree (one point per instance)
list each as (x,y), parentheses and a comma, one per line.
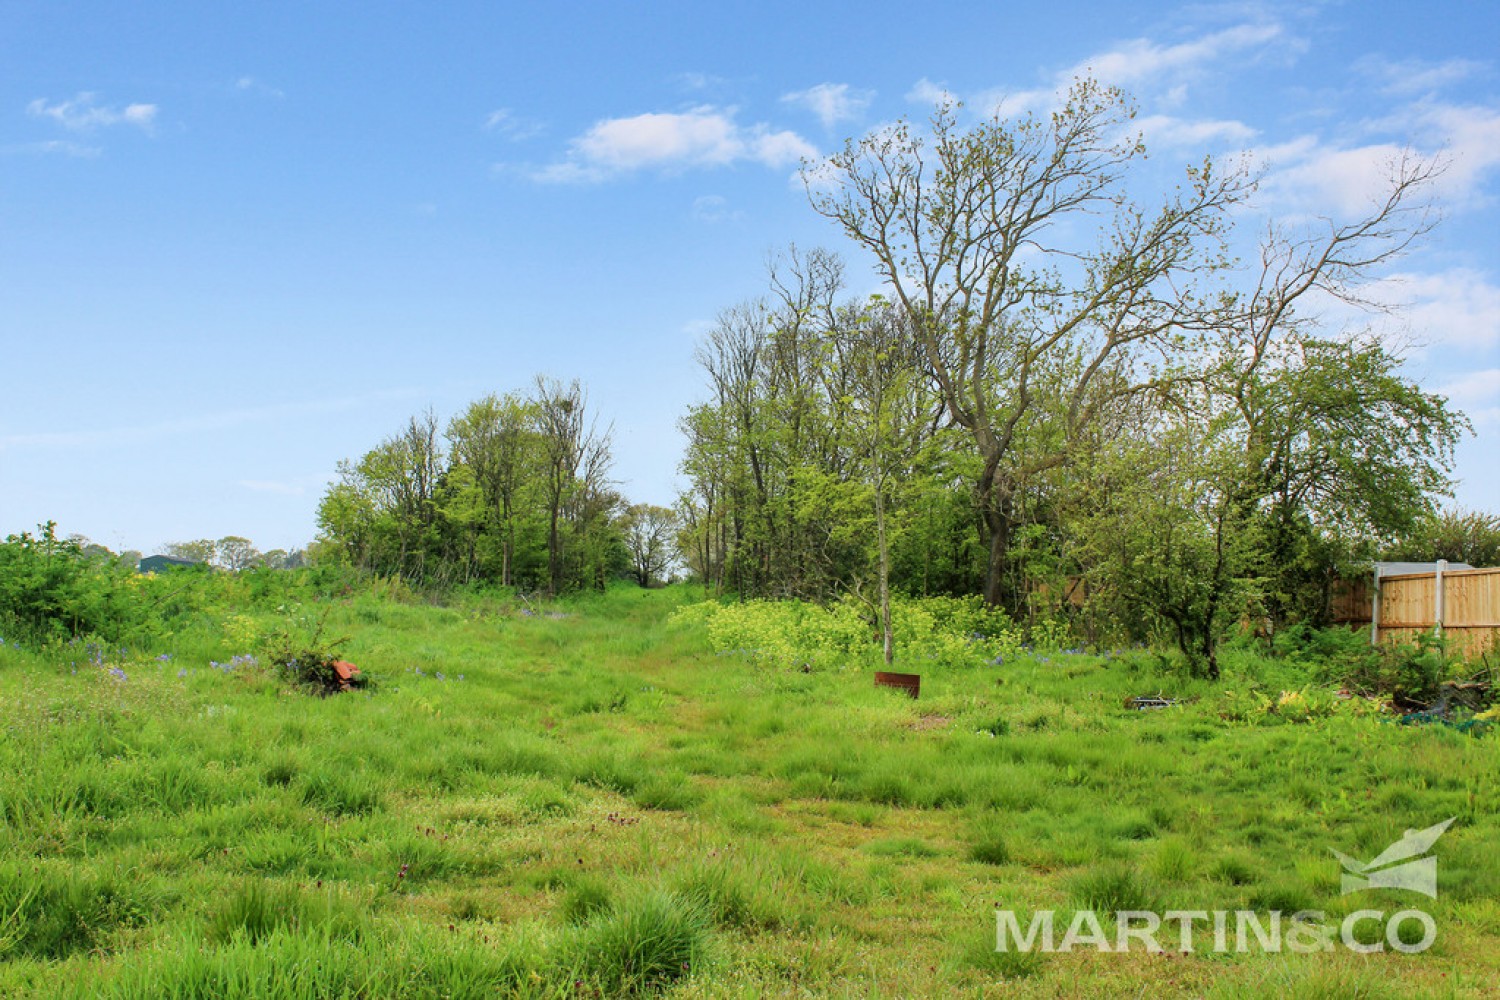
(1041,293)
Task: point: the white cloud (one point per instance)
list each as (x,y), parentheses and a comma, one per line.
(1457,309)
(1417,76)
(714,208)
(781,149)
(1470,140)
(1142,61)
(831,102)
(1478,395)
(1167,131)
(1309,174)
(1481,387)
(65,147)
(1015,103)
(506,123)
(1306,176)
(1137,64)
(673,141)
(83,114)
(924,91)
(251,85)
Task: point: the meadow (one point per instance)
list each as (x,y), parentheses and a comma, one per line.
(590,798)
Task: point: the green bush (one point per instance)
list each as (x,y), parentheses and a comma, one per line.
(938,630)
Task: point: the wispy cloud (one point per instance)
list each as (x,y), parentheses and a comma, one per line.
(84,114)
(504,121)
(1314,174)
(926,92)
(138,433)
(1411,77)
(1140,65)
(1478,395)
(1142,61)
(1455,309)
(1169,131)
(714,208)
(699,81)
(672,142)
(831,102)
(249,84)
(64,147)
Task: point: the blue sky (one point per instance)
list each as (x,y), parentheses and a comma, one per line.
(241,242)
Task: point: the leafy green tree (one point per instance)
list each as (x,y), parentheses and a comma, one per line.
(496,438)
(650,534)
(1029,311)
(235,553)
(202,550)
(1458,535)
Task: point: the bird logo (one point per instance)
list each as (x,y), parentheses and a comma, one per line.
(1384,872)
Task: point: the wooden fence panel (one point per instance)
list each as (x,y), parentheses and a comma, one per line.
(1408,601)
(1471,598)
(1470,609)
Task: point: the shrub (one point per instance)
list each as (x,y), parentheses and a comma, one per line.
(941,630)
(297,649)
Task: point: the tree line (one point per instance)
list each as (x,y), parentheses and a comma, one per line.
(516,490)
(1070,398)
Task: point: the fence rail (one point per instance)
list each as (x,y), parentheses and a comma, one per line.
(1462,605)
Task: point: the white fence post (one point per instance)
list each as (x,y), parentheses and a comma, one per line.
(1375,607)
(1437,599)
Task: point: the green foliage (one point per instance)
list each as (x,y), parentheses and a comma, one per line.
(520,497)
(50,591)
(297,648)
(930,630)
(1456,535)
(1408,673)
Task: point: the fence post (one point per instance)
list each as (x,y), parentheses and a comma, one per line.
(1375,608)
(1437,598)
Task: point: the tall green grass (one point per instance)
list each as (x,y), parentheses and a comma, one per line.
(526,804)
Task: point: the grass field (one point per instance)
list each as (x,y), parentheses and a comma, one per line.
(596,802)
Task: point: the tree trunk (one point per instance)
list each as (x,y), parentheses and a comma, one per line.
(887,634)
(997,521)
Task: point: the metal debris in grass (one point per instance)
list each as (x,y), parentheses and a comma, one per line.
(1151,702)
